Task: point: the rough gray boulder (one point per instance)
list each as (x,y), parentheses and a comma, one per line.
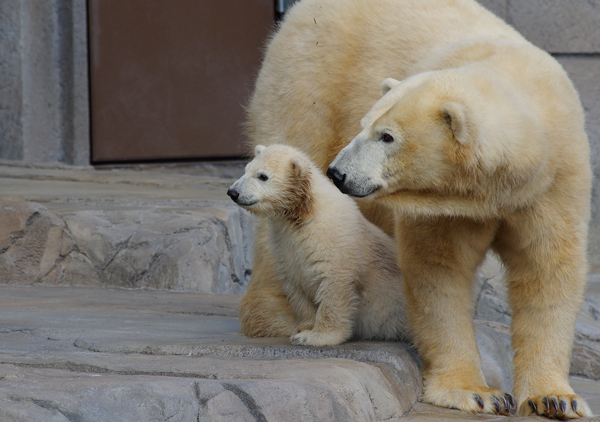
(204,249)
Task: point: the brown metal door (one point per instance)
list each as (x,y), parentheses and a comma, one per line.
(168,79)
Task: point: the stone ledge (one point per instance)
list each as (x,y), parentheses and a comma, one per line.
(202,249)
(162,228)
(324,390)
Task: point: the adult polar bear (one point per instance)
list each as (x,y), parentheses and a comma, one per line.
(481,146)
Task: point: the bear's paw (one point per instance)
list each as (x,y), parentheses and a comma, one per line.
(565,406)
(475,400)
(316,338)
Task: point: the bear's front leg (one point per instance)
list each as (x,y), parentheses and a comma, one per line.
(439,258)
(546,263)
(337,302)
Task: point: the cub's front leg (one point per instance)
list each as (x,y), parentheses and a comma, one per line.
(305,310)
(336,301)
(439,259)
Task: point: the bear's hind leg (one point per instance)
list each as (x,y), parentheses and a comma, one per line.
(264,309)
(438,258)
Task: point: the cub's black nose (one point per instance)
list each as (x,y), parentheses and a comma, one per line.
(336,177)
(233,194)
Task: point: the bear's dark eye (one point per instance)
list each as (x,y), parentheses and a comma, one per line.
(263,177)
(387,138)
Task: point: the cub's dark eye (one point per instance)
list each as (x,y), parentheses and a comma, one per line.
(387,138)
(263,177)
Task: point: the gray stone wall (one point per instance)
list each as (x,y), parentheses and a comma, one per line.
(11,142)
(43,81)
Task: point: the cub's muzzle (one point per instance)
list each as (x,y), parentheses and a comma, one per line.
(233,194)
(337,178)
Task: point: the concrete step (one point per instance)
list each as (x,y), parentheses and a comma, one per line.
(98,354)
(91,354)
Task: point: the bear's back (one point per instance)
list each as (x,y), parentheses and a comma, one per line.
(323,68)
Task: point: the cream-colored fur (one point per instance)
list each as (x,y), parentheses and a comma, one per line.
(488,151)
(337,270)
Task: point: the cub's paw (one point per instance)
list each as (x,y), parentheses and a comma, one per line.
(315,338)
(474,400)
(565,406)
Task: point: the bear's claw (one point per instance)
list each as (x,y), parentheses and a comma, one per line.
(510,401)
(479,401)
(533,406)
(568,406)
(555,404)
(497,404)
(506,406)
(475,400)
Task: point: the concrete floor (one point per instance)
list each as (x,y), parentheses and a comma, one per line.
(94,354)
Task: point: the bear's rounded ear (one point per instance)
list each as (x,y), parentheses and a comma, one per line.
(259,149)
(454,115)
(388,84)
(297,166)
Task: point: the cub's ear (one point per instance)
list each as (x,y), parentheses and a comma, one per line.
(454,114)
(388,84)
(259,149)
(298,166)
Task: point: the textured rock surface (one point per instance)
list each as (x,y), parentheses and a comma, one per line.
(490,292)
(89,354)
(314,391)
(97,354)
(122,229)
(586,351)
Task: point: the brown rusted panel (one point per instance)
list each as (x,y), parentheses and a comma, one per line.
(169,78)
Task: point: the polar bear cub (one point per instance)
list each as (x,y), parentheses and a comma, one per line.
(337,270)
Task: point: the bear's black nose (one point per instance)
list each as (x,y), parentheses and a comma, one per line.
(336,177)
(233,194)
